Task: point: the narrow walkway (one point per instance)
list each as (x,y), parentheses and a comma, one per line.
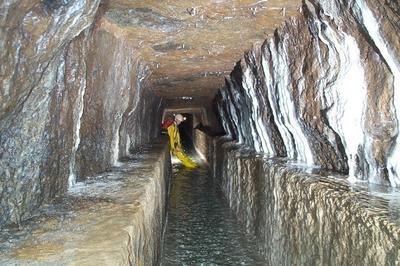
(113,218)
(200,229)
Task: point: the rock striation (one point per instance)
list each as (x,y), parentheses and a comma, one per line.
(72,96)
(318,98)
(323,90)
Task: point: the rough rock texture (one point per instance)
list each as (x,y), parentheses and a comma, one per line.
(118,113)
(303,216)
(71,102)
(115,218)
(192,45)
(323,90)
(33,35)
(204,145)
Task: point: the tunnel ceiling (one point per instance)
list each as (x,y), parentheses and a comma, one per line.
(191,45)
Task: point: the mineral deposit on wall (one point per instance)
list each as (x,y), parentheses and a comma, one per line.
(323,90)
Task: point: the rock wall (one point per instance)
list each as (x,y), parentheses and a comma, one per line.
(33,36)
(304,217)
(324,90)
(319,95)
(72,101)
(118,112)
(204,145)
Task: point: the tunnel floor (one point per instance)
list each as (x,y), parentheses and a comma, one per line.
(200,228)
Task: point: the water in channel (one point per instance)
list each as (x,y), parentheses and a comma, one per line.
(200,228)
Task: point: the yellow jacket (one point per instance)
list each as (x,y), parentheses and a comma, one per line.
(174,138)
(175,146)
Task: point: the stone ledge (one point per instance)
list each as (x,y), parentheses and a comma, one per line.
(303,216)
(115,218)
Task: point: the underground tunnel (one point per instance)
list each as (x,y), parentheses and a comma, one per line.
(292,114)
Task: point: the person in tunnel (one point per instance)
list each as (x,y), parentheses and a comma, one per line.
(175,140)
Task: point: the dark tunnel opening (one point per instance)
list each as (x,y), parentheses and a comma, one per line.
(186,132)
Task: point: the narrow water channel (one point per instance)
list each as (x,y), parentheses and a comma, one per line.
(200,228)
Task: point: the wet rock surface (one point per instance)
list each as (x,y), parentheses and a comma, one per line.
(33,32)
(113,218)
(323,90)
(200,228)
(115,102)
(33,36)
(73,100)
(304,216)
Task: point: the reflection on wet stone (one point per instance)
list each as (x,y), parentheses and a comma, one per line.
(303,216)
(200,227)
